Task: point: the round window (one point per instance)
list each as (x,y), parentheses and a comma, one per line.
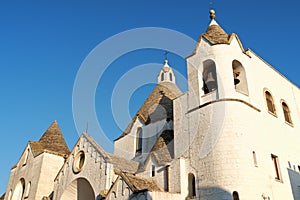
(78,162)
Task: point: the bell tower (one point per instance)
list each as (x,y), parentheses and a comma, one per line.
(216,66)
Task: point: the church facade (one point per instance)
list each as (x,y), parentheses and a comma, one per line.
(233,135)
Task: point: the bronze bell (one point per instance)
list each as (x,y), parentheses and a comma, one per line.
(236,80)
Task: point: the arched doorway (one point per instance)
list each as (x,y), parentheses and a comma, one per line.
(192,185)
(19,190)
(79,189)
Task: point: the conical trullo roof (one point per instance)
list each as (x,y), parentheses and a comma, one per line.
(52,140)
(214,33)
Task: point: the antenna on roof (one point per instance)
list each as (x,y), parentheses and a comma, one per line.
(166,54)
(87,127)
(211,5)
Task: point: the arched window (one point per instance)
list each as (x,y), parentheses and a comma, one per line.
(114,194)
(192,185)
(162,77)
(286,112)
(235,195)
(209,76)
(19,190)
(28,189)
(239,77)
(139,141)
(9,195)
(270,102)
(171,77)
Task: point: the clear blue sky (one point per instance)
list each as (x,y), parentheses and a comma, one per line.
(43,43)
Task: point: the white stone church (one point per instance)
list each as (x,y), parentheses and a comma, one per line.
(234,135)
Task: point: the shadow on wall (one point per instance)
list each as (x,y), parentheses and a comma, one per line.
(143,195)
(163,110)
(295,183)
(208,193)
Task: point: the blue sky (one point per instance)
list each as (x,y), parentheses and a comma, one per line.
(43,44)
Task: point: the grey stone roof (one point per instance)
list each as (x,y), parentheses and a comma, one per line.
(162,95)
(123,164)
(137,183)
(216,35)
(52,141)
(163,149)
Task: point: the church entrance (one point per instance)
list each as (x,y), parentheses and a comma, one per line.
(79,189)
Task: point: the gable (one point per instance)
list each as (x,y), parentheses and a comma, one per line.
(24,157)
(205,41)
(87,145)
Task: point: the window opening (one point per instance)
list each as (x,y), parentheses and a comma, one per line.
(270,103)
(139,140)
(286,112)
(153,171)
(235,195)
(254,158)
(276,167)
(192,185)
(209,77)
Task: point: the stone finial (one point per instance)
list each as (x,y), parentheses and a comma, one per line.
(212,14)
(166,73)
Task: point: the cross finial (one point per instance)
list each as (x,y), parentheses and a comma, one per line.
(166,55)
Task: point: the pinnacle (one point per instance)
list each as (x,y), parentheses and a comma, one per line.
(53,139)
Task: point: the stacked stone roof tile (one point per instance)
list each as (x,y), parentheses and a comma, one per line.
(52,141)
(163,148)
(139,183)
(163,94)
(216,35)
